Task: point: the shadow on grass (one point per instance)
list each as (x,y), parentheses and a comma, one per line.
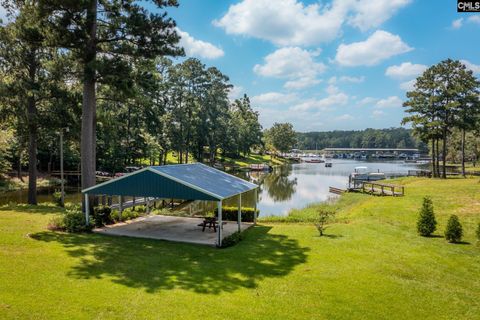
(332,236)
(160,265)
(43,208)
(460,242)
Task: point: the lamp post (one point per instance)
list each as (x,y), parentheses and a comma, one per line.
(62,183)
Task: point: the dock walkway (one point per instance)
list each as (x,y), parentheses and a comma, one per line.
(382,189)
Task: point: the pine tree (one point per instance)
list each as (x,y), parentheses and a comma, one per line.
(426,223)
(105,37)
(454,231)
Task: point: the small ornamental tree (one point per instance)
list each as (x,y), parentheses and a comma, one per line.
(324,217)
(454,231)
(426,223)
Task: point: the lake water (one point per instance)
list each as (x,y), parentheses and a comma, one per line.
(287,187)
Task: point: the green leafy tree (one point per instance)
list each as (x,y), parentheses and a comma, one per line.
(426,223)
(445,97)
(6,139)
(454,230)
(104,37)
(281,137)
(28,82)
(324,217)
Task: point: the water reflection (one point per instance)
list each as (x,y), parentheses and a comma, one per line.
(279,185)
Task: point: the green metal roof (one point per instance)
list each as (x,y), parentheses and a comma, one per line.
(194,181)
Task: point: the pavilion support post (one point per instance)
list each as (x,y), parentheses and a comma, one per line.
(133,202)
(148,205)
(255,207)
(87,210)
(120,207)
(220,224)
(239,220)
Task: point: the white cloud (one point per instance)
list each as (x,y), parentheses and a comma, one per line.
(292,63)
(408,85)
(273,98)
(380,46)
(474,19)
(346,79)
(291,22)
(405,70)
(236,92)
(377,114)
(474,67)
(336,99)
(344,117)
(390,102)
(284,22)
(369,14)
(367,101)
(289,62)
(301,83)
(199,48)
(457,23)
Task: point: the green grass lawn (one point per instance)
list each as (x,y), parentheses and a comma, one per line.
(371,265)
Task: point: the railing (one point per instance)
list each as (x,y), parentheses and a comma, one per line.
(382,189)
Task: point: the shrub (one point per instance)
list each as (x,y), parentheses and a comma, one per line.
(454,231)
(426,223)
(324,217)
(230,214)
(478,232)
(74,221)
(102,215)
(57,198)
(56,224)
(129,214)
(232,239)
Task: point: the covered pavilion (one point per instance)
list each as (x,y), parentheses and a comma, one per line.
(194,181)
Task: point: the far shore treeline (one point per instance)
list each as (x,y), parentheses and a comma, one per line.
(370,138)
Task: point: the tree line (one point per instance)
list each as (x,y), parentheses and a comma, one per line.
(444,111)
(101,72)
(368,138)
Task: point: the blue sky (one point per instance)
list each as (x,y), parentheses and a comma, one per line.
(326,65)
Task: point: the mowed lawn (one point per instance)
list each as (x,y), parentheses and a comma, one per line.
(372,265)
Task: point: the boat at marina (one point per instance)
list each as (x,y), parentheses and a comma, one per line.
(314,159)
(261,167)
(362,174)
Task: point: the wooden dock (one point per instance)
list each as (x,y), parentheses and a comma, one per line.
(336,190)
(382,189)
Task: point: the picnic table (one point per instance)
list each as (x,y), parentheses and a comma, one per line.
(211,222)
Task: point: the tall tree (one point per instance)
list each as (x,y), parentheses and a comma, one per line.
(22,61)
(281,137)
(105,36)
(445,96)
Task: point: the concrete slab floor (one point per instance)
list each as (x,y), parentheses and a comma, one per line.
(180,229)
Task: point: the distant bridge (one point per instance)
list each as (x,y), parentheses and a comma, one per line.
(370,150)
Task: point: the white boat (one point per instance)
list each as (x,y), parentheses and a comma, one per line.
(314,159)
(362,174)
